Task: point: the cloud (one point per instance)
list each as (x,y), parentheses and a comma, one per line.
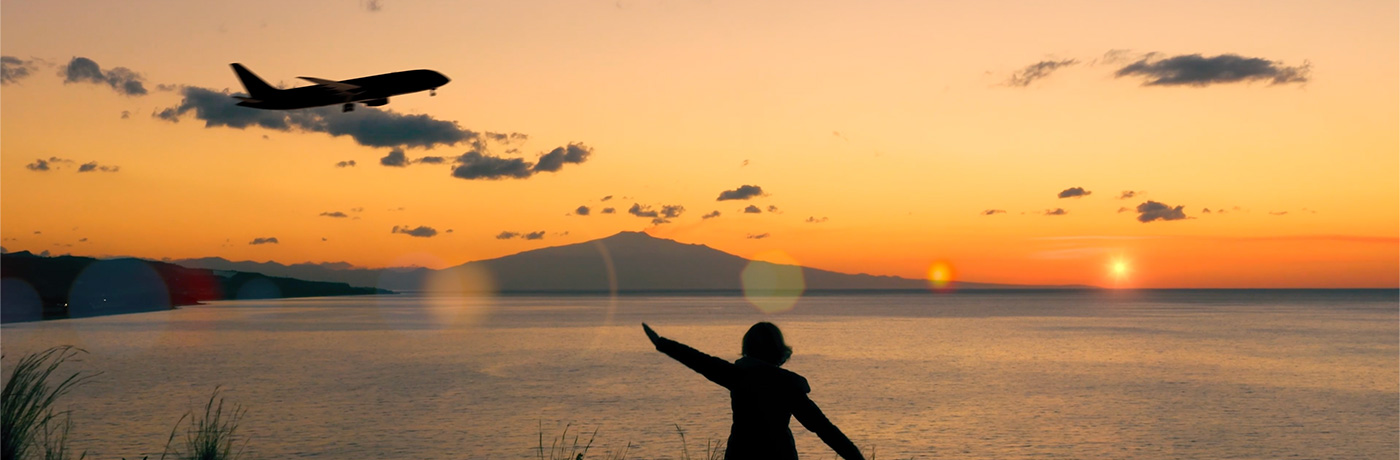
(757,237)
(710,215)
(1056,212)
(126,114)
(752,210)
(1278,213)
(373,6)
(555,159)
(395,158)
(1123,209)
(582,210)
(263,241)
(121,79)
(505,235)
(476,165)
(93,166)
(672,210)
(744,192)
(1152,210)
(367,126)
(336,214)
(1205,211)
(12,69)
(432,160)
(1039,70)
(991,212)
(816,220)
(660,220)
(642,211)
(1074,192)
(1197,70)
(39,164)
(1128,194)
(345,164)
(422,231)
(606,198)
(609,210)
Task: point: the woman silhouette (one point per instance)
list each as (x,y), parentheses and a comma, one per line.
(763,396)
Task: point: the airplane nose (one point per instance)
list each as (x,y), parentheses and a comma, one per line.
(442,79)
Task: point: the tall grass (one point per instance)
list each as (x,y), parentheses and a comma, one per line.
(28,422)
(562,449)
(714,450)
(211,436)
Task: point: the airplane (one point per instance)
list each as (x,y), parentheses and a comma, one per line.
(372,91)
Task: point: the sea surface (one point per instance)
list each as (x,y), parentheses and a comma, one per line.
(994,375)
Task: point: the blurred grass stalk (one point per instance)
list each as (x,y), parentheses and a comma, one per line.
(210,437)
(28,422)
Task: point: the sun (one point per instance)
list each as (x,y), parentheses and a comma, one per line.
(1120,269)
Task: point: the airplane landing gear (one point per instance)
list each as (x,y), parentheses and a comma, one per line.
(432,92)
(348,107)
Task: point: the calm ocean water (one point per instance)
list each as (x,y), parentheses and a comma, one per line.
(1163,374)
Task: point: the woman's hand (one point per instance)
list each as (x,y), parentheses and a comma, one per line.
(650,333)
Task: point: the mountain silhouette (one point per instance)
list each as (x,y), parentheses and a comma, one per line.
(624,262)
(39,287)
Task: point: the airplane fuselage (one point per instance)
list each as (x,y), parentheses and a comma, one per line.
(373,91)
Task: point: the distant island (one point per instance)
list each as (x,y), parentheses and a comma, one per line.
(627,262)
(37,287)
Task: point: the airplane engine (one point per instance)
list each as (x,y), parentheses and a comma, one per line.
(377,102)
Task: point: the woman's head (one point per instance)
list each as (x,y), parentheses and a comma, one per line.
(765,342)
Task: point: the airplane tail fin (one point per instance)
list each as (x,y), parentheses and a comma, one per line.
(257,88)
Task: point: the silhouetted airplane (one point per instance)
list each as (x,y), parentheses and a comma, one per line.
(372,91)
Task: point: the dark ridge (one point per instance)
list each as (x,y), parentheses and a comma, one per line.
(36,287)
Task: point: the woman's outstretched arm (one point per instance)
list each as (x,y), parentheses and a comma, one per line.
(715,369)
(814,420)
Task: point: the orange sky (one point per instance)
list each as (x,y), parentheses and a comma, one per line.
(881,132)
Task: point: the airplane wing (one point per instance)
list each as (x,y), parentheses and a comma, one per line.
(340,87)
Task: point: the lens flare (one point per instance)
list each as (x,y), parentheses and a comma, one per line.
(450,298)
(940,276)
(773,282)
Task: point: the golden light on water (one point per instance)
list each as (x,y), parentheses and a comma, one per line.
(941,275)
(773,282)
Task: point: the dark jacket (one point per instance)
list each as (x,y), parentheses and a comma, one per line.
(764,399)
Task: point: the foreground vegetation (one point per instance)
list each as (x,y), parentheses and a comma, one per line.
(32,428)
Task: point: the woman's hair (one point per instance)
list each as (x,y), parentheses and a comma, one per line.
(765,342)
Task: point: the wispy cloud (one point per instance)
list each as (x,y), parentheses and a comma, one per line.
(1198,70)
(13,69)
(92,166)
(121,79)
(421,231)
(1037,71)
(744,192)
(1152,210)
(269,240)
(1074,192)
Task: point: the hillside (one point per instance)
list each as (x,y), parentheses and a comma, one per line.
(637,262)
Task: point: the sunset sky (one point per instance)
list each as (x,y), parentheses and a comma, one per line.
(1009,142)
